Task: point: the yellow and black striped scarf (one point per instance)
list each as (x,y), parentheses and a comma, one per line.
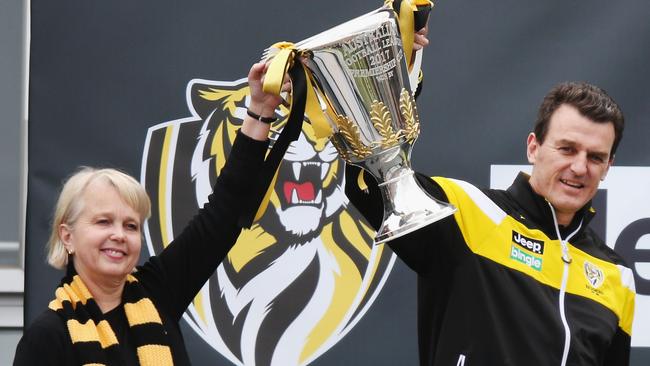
(93,339)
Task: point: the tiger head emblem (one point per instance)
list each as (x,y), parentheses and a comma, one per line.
(303,275)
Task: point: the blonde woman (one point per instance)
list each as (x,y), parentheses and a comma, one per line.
(108,311)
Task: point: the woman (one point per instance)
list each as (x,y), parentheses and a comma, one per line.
(108,312)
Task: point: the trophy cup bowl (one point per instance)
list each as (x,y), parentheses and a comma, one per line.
(360,73)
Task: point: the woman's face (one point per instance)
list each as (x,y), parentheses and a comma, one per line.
(106,238)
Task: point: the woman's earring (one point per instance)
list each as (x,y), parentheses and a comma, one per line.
(70,252)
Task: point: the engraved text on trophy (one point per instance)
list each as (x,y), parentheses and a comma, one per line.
(373,54)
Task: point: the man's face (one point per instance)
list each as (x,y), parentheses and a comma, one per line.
(574,157)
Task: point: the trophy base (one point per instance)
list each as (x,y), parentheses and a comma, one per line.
(407,207)
(386,233)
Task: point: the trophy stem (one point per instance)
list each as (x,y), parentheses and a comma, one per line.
(407,207)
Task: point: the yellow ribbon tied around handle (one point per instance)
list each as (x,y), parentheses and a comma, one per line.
(406,20)
(278,68)
(274,79)
(276,72)
(407,28)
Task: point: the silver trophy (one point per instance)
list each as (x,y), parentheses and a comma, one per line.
(360,73)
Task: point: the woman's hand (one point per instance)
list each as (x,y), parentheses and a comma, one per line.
(262,104)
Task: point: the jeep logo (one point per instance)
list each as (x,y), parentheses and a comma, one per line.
(534,246)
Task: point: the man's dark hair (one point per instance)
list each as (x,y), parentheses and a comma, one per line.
(591,101)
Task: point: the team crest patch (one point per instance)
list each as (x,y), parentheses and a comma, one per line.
(303,276)
(594,275)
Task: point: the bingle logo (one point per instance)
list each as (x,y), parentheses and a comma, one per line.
(525,258)
(534,246)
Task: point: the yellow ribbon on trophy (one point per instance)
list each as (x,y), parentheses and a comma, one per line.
(406,28)
(406,22)
(279,66)
(274,79)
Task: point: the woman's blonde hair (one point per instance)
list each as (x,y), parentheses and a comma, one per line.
(70,204)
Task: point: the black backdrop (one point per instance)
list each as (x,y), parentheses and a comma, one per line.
(102,73)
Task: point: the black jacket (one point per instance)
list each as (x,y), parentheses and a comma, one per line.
(490,280)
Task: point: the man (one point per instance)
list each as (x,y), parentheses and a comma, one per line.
(517,277)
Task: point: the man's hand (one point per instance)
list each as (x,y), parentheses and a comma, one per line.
(420,40)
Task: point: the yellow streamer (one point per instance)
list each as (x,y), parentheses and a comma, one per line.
(267,197)
(361,182)
(406,28)
(322,128)
(278,68)
(274,79)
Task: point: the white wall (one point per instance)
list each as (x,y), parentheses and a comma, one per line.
(12,70)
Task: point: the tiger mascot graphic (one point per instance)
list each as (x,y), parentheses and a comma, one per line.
(303,275)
